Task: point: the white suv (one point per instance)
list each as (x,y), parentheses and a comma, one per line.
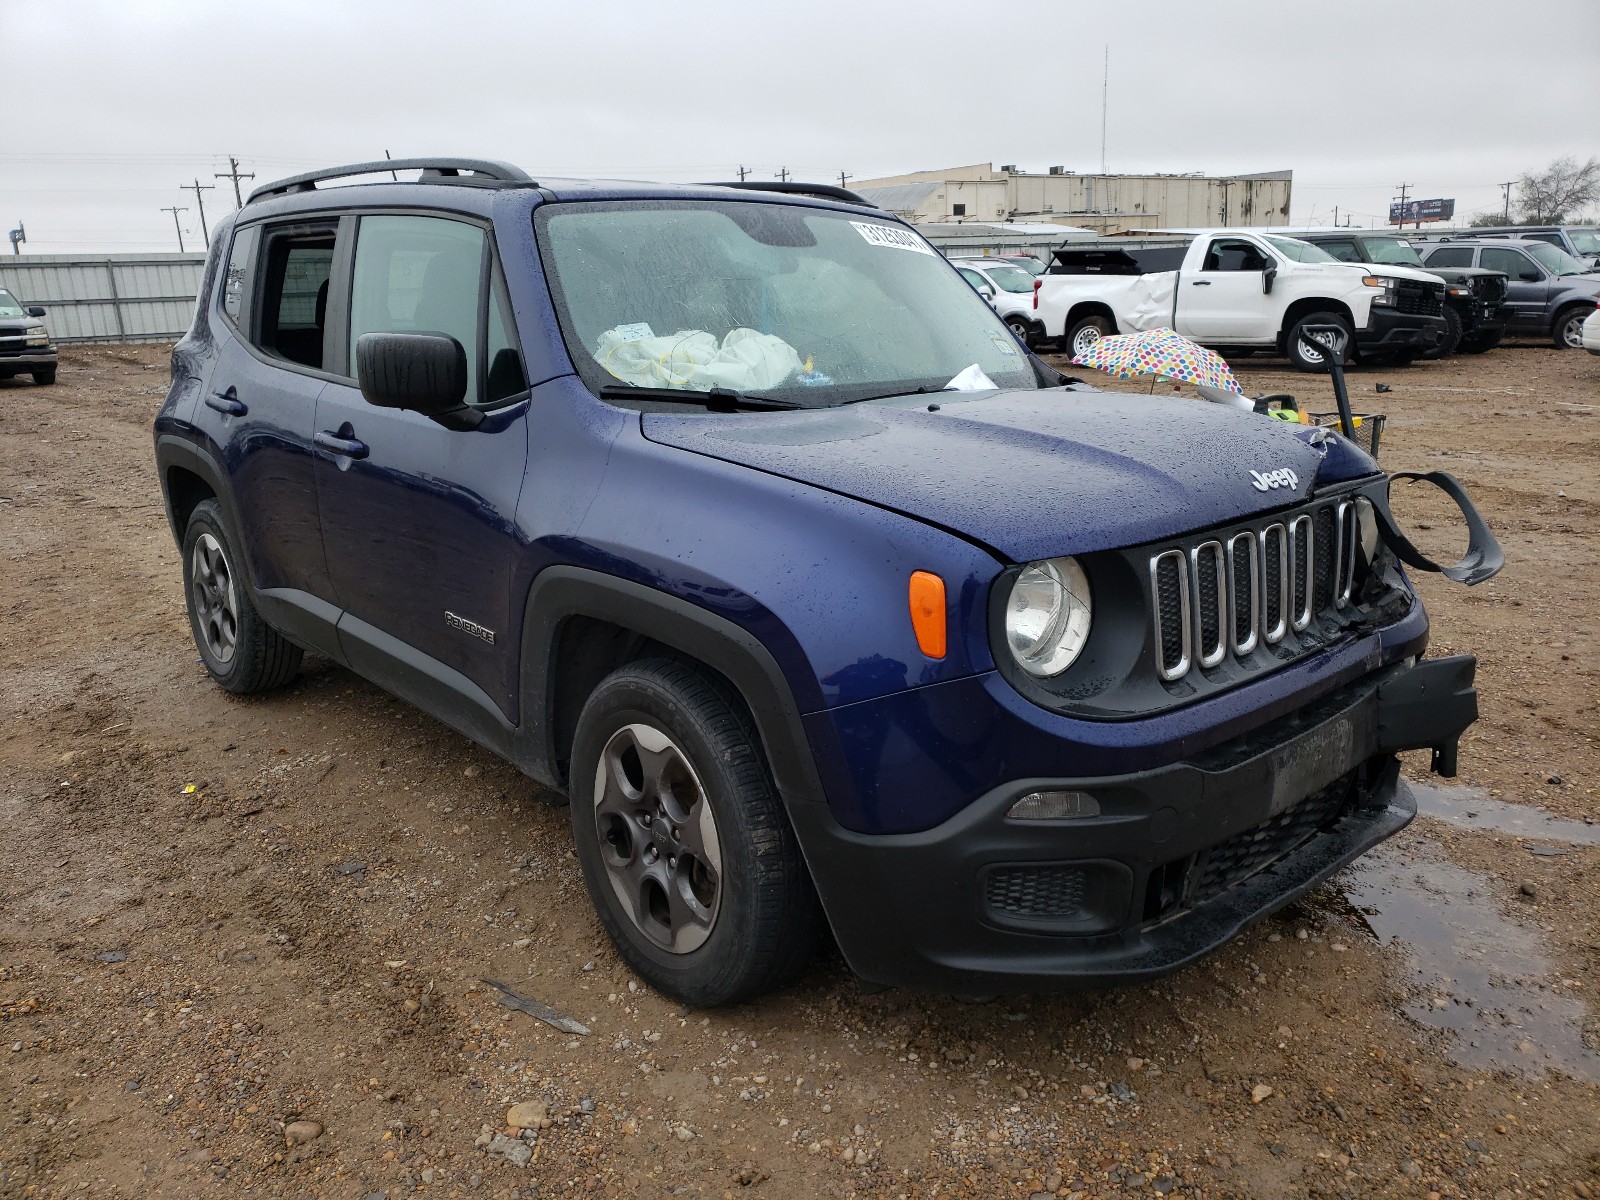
(1009,288)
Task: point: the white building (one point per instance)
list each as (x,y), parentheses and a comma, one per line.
(1105,203)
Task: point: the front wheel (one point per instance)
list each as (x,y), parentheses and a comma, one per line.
(1084,333)
(44,376)
(1452,335)
(1568,330)
(1306,359)
(686,851)
(241,651)
(1023,328)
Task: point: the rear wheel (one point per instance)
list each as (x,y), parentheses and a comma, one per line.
(1452,335)
(241,651)
(1085,332)
(44,376)
(1567,333)
(685,848)
(1306,359)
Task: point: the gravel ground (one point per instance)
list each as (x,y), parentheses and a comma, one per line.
(244,943)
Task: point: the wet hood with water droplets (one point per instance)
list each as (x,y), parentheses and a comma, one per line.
(1033,474)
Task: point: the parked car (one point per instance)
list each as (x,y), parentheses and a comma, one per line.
(1238,291)
(1580,241)
(1591,332)
(1010,290)
(1472,295)
(1548,292)
(25,347)
(658,491)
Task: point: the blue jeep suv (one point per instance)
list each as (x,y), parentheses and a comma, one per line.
(737,518)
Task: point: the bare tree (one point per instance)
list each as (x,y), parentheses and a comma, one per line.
(1546,197)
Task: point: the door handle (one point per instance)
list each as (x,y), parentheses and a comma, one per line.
(1200,283)
(227,403)
(345,447)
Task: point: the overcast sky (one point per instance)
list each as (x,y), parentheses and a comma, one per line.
(113,105)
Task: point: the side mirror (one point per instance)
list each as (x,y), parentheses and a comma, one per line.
(987,293)
(422,372)
(1267,277)
(1531,276)
(35,310)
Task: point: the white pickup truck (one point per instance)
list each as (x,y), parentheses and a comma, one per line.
(1238,291)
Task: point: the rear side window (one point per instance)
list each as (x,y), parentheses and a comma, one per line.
(1512,262)
(420,275)
(292,306)
(1450,256)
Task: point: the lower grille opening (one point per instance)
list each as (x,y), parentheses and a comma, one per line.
(1040,893)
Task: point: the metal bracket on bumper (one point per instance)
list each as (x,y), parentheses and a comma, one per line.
(1428,707)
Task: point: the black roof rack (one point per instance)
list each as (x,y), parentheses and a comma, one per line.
(434,170)
(825,190)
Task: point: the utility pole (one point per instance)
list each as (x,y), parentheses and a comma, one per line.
(197,187)
(1105,92)
(175,210)
(233,173)
(843,177)
(1507,187)
(783,174)
(18,236)
(743,171)
(1404,187)
(1336,216)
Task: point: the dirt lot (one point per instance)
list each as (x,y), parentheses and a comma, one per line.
(222,919)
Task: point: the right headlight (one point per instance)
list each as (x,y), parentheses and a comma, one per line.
(1048,615)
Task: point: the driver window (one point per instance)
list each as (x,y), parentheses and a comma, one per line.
(1343,251)
(1233,254)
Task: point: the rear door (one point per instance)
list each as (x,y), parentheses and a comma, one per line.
(418,521)
(1225,300)
(1527,287)
(259,408)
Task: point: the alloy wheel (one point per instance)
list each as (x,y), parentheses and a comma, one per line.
(216,607)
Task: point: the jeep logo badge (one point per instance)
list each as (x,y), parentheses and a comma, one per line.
(1282,477)
(469,627)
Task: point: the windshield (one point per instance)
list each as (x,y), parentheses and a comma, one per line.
(1555,259)
(1027,262)
(1393,250)
(9,306)
(811,306)
(1585,241)
(1009,278)
(1300,251)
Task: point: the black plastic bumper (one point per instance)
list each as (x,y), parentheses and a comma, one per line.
(27,360)
(1389,331)
(1180,859)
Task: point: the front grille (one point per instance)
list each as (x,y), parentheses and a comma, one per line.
(1228,593)
(1490,287)
(1043,892)
(1249,853)
(1419,299)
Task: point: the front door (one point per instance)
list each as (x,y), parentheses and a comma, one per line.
(1525,298)
(419,521)
(1222,302)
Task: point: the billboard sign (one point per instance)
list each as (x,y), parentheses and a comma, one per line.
(1421,210)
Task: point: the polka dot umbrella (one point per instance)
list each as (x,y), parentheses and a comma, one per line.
(1159,352)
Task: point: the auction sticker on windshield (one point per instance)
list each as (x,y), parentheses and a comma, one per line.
(895,239)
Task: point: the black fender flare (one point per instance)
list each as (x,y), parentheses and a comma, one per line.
(175,451)
(561,592)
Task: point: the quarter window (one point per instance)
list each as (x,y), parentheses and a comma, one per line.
(420,275)
(234,285)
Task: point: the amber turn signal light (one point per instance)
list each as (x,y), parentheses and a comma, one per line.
(928,612)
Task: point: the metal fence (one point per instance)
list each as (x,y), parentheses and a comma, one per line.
(108,298)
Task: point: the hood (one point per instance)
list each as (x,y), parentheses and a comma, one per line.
(19,324)
(1033,474)
(1387,271)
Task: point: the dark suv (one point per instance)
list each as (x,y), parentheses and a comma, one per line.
(1472,296)
(1548,292)
(25,347)
(742,521)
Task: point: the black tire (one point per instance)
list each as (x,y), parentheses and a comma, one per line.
(746,924)
(1452,335)
(240,651)
(1480,343)
(1299,356)
(43,376)
(1081,331)
(1567,332)
(1023,328)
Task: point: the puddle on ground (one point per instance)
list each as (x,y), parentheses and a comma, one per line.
(1478,975)
(1470,808)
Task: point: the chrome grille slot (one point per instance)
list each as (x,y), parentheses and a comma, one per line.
(1302,598)
(1274,583)
(1210,603)
(1244,592)
(1169,593)
(1345,519)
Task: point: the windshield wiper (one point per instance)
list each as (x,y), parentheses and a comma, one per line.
(717,399)
(920,390)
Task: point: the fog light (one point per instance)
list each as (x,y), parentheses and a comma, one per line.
(1054,806)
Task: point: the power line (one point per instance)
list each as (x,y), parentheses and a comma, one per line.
(197,187)
(175,210)
(233,174)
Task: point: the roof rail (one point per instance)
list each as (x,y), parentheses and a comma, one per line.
(826,190)
(434,170)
